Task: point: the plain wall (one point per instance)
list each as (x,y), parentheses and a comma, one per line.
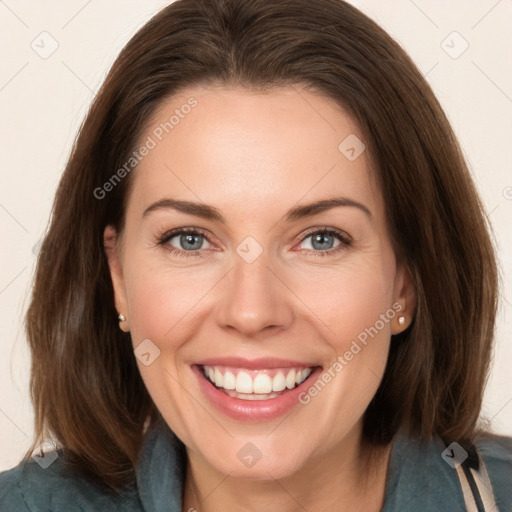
(44,100)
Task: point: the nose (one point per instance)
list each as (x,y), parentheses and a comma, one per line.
(254,298)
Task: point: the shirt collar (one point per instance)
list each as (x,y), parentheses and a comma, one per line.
(418,478)
(161,470)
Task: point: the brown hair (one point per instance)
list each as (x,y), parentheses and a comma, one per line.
(85,384)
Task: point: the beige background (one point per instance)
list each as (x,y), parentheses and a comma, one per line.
(43,101)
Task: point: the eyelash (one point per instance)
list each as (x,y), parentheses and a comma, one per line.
(345,240)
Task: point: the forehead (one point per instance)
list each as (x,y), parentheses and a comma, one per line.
(239,149)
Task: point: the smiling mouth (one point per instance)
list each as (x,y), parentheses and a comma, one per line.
(261,384)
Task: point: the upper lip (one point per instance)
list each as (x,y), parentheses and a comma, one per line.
(254,364)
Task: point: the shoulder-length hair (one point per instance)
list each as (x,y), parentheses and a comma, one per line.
(85,384)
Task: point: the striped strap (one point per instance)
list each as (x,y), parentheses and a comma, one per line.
(475,484)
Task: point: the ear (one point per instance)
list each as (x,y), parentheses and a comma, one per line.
(112,250)
(404,298)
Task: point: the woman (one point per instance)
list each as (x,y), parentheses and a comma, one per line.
(207,352)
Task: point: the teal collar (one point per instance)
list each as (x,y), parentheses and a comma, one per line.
(161,470)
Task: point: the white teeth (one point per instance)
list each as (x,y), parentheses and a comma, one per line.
(263,384)
(279,382)
(243,383)
(229,381)
(290,379)
(219,379)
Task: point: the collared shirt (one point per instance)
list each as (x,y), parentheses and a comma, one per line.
(418,480)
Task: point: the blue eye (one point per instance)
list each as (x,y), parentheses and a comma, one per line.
(322,241)
(189,241)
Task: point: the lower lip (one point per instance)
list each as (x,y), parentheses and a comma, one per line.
(253,410)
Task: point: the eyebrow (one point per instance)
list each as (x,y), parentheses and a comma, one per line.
(298,212)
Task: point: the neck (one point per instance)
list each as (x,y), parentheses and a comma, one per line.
(343,479)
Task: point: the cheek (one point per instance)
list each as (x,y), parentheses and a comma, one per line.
(163,303)
(356,312)
(163,300)
(349,301)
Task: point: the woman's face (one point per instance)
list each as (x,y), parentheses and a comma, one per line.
(266,289)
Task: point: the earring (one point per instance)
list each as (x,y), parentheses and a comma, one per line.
(401,320)
(121,318)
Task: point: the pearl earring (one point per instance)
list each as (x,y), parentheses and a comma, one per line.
(121,317)
(401,320)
